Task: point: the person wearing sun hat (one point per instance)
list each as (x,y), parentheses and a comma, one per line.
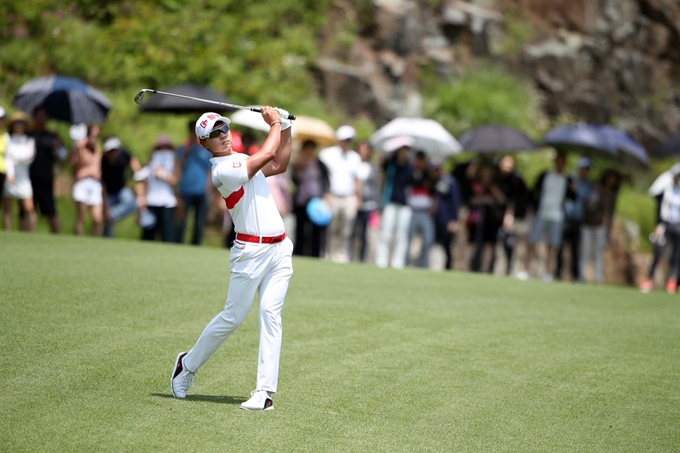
(21,150)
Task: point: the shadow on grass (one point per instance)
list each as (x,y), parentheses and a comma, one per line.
(221,399)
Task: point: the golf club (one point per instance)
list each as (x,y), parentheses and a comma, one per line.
(139,98)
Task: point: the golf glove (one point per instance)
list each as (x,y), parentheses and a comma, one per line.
(285,122)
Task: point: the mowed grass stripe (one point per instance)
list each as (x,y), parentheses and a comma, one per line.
(373,359)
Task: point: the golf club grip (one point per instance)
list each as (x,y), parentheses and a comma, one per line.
(255,109)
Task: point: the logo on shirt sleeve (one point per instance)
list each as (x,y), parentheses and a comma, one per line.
(237,164)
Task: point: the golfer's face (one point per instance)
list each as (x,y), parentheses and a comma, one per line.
(221,143)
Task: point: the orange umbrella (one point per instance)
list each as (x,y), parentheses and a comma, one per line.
(310,128)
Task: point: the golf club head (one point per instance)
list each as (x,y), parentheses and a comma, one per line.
(139,98)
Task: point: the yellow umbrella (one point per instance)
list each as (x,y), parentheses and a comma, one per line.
(310,128)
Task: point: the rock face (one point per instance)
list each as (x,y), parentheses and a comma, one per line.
(599,60)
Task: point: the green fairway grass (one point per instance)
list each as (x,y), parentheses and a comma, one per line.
(373,360)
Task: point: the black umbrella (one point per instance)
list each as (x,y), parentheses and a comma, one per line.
(171,104)
(490,139)
(581,138)
(66,99)
(671,147)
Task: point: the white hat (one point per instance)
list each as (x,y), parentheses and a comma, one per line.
(111,143)
(345,132)
(206,122)
(2,112)
(400,141)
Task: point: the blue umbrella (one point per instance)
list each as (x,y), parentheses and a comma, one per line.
(582,138)
(65,98)
(628,146)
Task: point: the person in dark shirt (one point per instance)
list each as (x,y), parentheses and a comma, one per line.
(48,151)
(396,213)
(447,203)
(119,199)
(513,186)
(312,180)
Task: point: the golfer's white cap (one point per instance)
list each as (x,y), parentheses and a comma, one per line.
(398,142)
(2,112)
(206,122)
(111,143)
(345,132)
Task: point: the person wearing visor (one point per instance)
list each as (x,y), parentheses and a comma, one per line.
(261,257)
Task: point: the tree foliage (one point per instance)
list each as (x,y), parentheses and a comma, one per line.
(256,52)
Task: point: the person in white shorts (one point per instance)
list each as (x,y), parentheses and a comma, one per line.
(86,161)
(20,152)
(261,257)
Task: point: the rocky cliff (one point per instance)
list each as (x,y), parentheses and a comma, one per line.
(604,61)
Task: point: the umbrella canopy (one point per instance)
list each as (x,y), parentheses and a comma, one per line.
(581,138)
(670,147)
(159,103)
(65,98)
(304,127)
(428,136)
(490,139)
(311,128)
(631,151)
(247,118)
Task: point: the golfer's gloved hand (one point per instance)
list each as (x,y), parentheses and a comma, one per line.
(285,122)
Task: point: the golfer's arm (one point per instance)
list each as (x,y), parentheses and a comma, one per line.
(279,164)
(266,153)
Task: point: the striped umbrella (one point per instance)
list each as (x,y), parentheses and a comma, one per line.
(65,98)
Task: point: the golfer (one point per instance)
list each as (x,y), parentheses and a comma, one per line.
(261,257)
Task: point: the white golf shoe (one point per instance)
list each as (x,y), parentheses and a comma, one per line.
(260,400)
(181,379)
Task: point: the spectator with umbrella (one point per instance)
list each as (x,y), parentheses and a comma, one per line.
(573,220)
(20,152)
(49,150)
(420,199)
(598,216)
(396,213)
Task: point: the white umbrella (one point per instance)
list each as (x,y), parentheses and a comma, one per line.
(428,135)
(249,119)
(663,181)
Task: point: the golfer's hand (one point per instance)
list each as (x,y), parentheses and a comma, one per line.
(269,115)
(285,122)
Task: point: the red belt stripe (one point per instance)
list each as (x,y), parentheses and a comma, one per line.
(260,239)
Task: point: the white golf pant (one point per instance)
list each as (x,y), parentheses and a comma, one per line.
(263,267)
(593,243)
(394,223)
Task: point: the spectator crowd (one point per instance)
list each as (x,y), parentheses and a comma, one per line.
(391,208)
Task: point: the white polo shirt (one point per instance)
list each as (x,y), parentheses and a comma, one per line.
(249,201)
(342,168)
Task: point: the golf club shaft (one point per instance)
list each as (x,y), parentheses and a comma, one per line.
(140,98)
